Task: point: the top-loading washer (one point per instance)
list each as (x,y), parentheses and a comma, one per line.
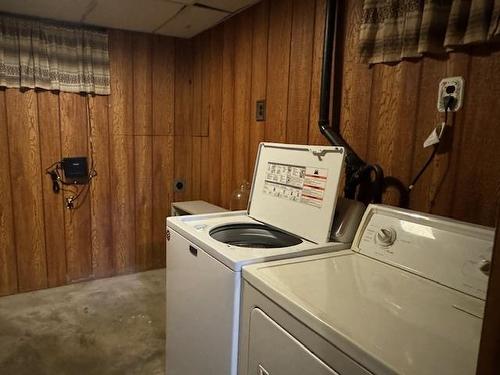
(290,213)
(408,298)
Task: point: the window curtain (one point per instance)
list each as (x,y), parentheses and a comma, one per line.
(392,30)
(53,56)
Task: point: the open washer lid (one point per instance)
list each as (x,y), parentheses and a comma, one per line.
(295,188)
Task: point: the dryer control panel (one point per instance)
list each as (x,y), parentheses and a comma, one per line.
(446,251)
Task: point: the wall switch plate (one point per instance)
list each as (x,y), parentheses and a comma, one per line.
(260,110)
(451,86)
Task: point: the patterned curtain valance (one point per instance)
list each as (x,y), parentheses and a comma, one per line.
(392,30)
(53,56)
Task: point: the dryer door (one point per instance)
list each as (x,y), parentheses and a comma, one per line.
(273,351)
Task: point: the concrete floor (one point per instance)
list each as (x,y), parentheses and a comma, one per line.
(110,326)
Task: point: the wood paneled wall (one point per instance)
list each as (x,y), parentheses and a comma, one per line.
(185,109)
(129,138)
(273,51)
(389,110)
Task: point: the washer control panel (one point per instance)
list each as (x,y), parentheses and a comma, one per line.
(449,252)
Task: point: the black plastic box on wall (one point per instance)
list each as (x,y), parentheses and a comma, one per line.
(76,170)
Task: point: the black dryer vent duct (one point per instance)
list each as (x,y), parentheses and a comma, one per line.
(364,182)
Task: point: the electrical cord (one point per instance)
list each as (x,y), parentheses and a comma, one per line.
(55,183)
(423,169)
(449,102)
(54,173)
(76,197)
(85,190)
(70,188)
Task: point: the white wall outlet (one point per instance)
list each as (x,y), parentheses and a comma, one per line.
(451,86)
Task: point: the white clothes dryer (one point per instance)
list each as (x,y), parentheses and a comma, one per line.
(408,298)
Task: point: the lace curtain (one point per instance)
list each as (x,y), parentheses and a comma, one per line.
(53,56)
(392,30)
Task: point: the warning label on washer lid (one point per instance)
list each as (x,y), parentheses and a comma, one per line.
(296,183)
(314,186)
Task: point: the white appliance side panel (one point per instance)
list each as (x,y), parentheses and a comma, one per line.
(202,301)
(273,351)
(295,188)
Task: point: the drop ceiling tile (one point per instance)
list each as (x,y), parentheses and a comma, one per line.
(62,10)
(185,2)
(228,5)
(192,20)
(136,15)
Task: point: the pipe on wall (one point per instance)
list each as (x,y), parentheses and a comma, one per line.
(363,181)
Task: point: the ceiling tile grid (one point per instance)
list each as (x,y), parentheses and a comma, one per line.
(61,10)
(192,20)
(180,18)
(145,16)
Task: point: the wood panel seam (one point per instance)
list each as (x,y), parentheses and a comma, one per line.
(417,109)
(311,82)
(43,196)
(112,249)
(289,65)
(64,219)
(11,191)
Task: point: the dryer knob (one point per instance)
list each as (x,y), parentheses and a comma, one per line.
(386,237)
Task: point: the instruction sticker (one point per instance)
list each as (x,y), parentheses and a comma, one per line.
(296,183)
(314,186)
